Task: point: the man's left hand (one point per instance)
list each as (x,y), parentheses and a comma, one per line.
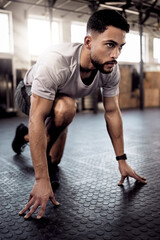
(127,171)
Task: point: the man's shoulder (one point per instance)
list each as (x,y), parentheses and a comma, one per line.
(64,54)
(65,49)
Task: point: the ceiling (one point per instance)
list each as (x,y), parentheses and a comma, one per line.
(150,9)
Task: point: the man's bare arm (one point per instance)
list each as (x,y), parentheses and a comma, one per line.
(40,109)
(114,124)
(115,129)
(42,190)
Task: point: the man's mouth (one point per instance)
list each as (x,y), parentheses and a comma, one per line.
(111,63)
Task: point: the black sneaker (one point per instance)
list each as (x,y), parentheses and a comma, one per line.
(53,174)
(19,142)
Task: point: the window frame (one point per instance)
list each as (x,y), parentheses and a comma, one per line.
(38,17)
(145,49)
(11,43)
(80,24)
(154,59)
(60,29)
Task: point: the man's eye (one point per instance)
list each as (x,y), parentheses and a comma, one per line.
(110,45)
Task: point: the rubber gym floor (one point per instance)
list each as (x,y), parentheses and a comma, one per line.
(92,206)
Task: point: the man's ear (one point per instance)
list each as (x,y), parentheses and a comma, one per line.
(88,42)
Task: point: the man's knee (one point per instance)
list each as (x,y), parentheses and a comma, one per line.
(64,111)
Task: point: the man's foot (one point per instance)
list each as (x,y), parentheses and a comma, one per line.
(19,142)
(53,174)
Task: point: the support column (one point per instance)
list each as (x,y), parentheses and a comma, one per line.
(50,23)
(141,63)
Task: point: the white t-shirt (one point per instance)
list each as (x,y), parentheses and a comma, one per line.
(58,71)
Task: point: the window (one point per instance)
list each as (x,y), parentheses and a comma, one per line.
(131,50)
(55,32)
(39,35)
(78,32)
(6,45)
(156,50)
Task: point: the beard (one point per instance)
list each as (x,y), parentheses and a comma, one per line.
(101,66)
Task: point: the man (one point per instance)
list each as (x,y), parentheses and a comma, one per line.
(62,74)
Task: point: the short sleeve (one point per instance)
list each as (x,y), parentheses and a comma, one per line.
(49,75)
(43,84)
(111,83)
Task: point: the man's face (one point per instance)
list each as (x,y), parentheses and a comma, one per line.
(106,47)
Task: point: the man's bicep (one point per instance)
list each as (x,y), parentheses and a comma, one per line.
(40,106)
(111,103)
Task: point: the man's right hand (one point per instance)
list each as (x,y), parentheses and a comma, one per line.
(41,193)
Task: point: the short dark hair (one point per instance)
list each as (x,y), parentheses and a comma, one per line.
(99,20)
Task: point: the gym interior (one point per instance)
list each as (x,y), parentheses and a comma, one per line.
(92,205)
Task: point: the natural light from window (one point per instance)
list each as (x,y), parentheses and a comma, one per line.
(55,32)
(131,50)
(5,44)
(156,50)
(39,35)
(78,32)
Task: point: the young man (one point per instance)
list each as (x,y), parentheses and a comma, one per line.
(62,74)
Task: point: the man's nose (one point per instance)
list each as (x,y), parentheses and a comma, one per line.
(115,53)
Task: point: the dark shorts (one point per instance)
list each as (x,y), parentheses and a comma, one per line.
(22,96)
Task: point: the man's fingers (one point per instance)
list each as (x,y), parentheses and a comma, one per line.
(41,212)
(30,197)
(33,209)
(53,200)
(122,180)
(28,205)
(139,178)
(143,178)
(23,211)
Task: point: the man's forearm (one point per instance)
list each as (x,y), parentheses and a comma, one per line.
(115,129)
(38,146)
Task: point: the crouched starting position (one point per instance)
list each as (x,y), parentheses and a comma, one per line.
(48,92)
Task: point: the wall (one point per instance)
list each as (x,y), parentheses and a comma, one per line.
(21,57)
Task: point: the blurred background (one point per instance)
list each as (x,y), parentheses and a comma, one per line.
(92,205)
(27,27)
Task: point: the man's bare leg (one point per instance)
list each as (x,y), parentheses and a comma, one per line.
(64,110)
(57,149)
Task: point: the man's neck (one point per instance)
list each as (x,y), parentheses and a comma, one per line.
(85,61)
